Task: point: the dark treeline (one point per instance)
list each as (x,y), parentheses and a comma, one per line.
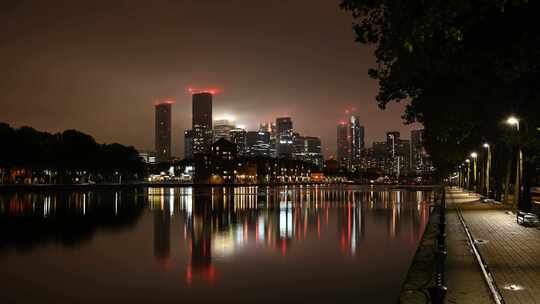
(63,157)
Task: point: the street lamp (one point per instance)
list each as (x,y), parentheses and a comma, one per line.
(514,121)
(488,168)
(474,156)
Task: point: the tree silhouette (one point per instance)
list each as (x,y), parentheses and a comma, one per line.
(68,153)
(463,66)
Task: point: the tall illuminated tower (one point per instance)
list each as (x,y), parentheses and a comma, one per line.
(350,141)
(202,122)
(356,137)
(343,149)
(163,130)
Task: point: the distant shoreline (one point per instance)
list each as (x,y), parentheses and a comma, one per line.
(79,187)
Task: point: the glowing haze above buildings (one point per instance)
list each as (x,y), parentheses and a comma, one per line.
(293,59)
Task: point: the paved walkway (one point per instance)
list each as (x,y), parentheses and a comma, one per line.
(511,251)
(464,279)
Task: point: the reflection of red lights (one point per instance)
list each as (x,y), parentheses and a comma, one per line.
(213,91)
(318,228)
(189,275)
(209,274)
(165,263)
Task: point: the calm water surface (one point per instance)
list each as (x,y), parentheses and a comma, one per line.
(199,245)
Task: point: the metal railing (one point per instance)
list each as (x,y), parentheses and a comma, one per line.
(426,275)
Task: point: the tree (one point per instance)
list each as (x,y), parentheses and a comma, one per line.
(68,153)
(463,66)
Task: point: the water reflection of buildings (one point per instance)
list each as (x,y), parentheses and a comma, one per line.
(220,222)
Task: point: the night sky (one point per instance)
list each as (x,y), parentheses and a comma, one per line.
(97,66)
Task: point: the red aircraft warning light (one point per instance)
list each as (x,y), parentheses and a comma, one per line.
(212,91)
(163,101)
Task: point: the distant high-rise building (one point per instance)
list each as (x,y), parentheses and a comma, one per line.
(270,127)
(378,155)
(267,127)
(350,142)
(188,144)
(222,129)
(416,148)
(258,143)
(238,137)
(202,122)
(356,138)
(284,125)
(163,130)
(398,151)
(308,149)
(392,138)
(284,137)
(342,142)
(420,160)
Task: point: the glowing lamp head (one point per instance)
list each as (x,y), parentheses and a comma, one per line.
(474,155)
(512,120)
(485,145)
(467,160)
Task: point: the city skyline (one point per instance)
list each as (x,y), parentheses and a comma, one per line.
(230,123)
(122,74)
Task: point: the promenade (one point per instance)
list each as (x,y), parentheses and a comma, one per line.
(510,251)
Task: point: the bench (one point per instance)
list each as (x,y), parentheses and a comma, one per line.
(527,218)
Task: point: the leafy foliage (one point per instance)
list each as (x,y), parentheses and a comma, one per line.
(463,66)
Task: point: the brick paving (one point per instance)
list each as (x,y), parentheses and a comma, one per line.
(511,251)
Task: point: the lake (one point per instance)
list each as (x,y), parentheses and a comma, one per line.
(318,244)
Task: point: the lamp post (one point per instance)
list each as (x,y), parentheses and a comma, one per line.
(488,168)
(474,156)
(459,176)
(514,121)
(468,173)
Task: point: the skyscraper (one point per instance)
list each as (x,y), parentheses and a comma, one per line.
(356,137)
(284,125)
(270,127)
(222,129)
(284,137)
(188,144)
(202,122)
(163,130)
(308,149)
(238,136)
(420,160)
(416,148)
(342,142)
(258,143)
(350,142)
(398,161)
